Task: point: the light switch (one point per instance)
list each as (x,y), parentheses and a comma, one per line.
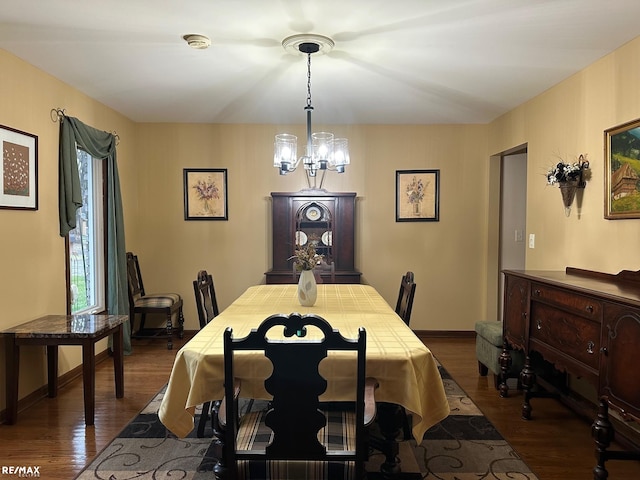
(532,240)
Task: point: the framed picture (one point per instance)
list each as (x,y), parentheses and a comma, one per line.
(622,171)
(205,194)
(417,195)
(18,170)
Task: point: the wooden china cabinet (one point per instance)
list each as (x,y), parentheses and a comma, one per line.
(326,219)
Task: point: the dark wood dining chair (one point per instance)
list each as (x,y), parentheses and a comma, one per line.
(403,309)
(322,270)
(293,431)
(405,297)
(206,302)
(325,269)
(207,307)
(143,303)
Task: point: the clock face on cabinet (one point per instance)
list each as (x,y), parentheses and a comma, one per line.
(313,213)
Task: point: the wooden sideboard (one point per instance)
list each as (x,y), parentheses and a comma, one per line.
(587,324)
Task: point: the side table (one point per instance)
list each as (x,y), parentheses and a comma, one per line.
(55,330)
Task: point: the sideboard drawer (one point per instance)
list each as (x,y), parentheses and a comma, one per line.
(579,304)
(570,334)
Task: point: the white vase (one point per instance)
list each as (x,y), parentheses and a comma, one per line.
(307,288)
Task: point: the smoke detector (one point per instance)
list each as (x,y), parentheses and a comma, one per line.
(197,41)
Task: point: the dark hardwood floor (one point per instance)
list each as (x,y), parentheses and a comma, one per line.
(51,433)
(556,443)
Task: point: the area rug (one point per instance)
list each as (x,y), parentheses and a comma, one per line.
(464,446)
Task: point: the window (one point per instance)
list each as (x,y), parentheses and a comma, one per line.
(86,242)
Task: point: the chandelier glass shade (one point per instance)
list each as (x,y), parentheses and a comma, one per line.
(323,152)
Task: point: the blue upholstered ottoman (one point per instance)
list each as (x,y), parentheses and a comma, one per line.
(488,349)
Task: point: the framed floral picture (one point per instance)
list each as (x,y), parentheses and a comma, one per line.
(205,194)
(18,170)
(417,195)
(622,171)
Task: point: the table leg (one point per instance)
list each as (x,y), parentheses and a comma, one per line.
(118,361)
(52,370)
(12,364)
(89,379)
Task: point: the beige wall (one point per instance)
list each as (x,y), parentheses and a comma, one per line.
(454,259)
(32,255)
(238,252)
(568,120)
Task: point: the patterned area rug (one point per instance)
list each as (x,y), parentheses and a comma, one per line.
(464,446)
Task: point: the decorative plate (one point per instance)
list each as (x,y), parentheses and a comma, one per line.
(326,238)
(301,238)
(313,213)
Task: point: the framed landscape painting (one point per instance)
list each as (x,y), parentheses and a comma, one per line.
(18,170)
(622,171)
(417,195)
(205,194)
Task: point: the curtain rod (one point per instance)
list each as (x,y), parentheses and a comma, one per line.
(58,114)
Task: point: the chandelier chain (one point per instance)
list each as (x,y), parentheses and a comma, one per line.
(309,80)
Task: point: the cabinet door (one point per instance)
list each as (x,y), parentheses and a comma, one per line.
(313,223)
(620,375)
(516,310)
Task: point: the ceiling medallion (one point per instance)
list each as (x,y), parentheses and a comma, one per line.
(292,44)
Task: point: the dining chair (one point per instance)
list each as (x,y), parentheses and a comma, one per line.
(326,268)
(292,437)
(405,297)
(140,302)
(207,307)
(403,309)
(321,268)
(205,293)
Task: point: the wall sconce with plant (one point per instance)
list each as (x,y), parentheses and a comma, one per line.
(569,177)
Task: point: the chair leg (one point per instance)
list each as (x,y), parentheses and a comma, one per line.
(482,369)
(406,426)
(204,416)
(180,324)
(169,332)
(142,319)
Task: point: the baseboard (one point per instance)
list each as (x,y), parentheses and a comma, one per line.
(426,334)
(42,392)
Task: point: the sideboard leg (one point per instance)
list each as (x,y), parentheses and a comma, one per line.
(602,433)
(505,362)
(528,380)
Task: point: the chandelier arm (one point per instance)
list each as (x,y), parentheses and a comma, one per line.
(324,172)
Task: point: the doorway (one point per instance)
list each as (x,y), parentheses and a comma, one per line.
(513,215)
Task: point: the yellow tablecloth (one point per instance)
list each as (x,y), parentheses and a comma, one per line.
(405,368)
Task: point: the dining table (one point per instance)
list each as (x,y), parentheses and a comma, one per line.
(406,370)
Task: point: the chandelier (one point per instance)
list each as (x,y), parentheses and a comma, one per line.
(323,152)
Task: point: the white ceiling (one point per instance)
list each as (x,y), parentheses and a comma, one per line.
(394,62)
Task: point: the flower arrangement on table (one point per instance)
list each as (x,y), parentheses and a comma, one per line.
(305,256)
(564,172)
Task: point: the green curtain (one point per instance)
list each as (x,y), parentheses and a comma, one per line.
(101,145)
